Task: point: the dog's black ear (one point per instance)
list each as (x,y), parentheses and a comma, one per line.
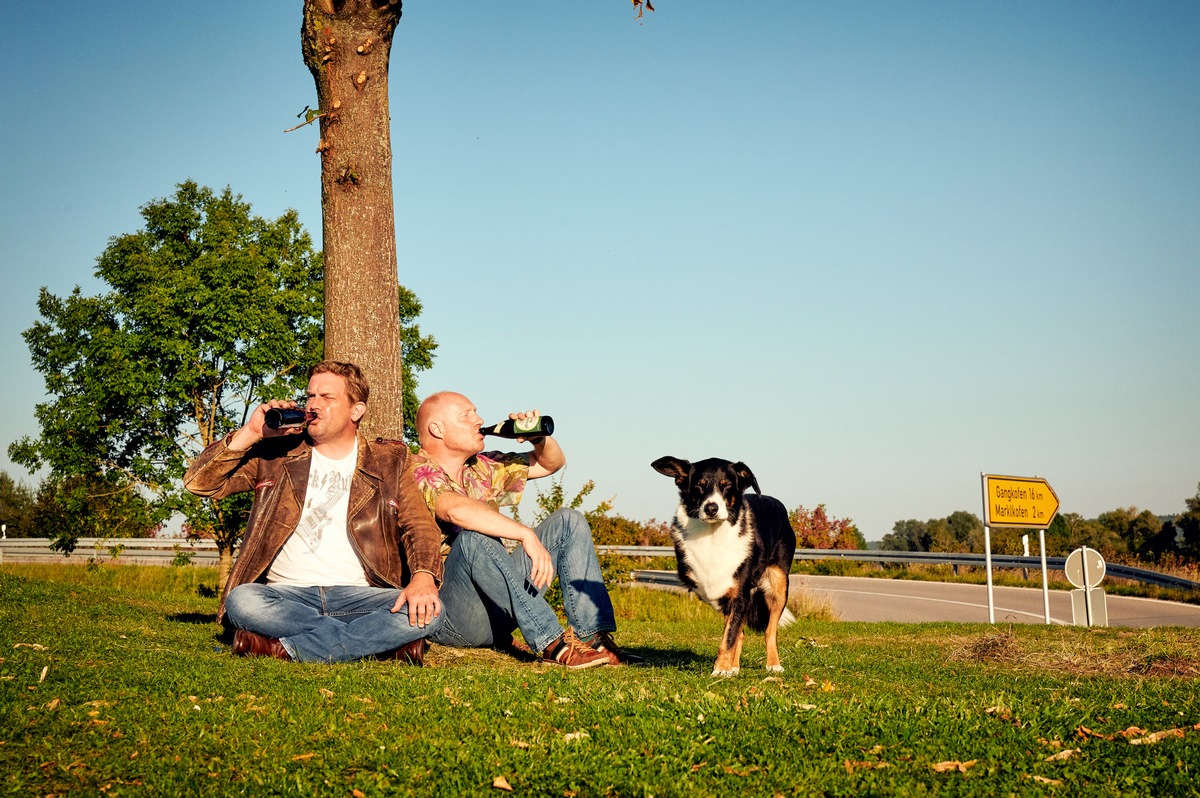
(673,467)
(745,477)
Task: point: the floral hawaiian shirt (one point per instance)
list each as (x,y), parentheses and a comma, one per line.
(497,478)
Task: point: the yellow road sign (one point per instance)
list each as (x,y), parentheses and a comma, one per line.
(1023,502)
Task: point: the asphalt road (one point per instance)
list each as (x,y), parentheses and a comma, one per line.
(865,599)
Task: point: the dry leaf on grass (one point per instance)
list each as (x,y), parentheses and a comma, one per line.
(34,646)
(1044,780)
(326,692)
(954,764)
(518,744)
(574,737)
(852,766)
(1061,755)
(1157,736)
(501,783)
(809,681)
(303,757)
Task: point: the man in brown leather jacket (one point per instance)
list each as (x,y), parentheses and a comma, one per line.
(341,559)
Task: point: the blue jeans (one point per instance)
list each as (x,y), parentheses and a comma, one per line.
(486,591)
(325,624)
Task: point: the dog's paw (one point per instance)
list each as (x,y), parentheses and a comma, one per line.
(719,672)
(775,668)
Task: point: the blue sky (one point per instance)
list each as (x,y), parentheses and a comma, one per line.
(870,249)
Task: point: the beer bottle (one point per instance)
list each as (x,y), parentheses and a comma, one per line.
(286,417)
(521,428)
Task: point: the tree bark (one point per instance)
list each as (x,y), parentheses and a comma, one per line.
(347,45)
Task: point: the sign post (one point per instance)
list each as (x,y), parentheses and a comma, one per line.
(1021,503)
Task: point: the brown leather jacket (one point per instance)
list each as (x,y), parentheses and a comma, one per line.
(390,527)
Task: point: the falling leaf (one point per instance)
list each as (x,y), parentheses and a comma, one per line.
(501,783)
(1061,755)
(954,764)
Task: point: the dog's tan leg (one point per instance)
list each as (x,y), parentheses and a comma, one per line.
(728,656)
(776,596)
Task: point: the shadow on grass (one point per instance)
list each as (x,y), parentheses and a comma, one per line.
(193,617)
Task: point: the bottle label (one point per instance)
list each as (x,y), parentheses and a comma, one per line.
(527,424)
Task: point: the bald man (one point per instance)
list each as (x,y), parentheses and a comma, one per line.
(486,591)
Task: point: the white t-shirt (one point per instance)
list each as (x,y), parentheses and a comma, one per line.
(319,552)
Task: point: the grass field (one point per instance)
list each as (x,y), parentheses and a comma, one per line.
(113,681)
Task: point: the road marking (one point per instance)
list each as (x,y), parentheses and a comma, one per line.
(938,601)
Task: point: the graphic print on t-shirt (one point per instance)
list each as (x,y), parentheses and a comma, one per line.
(325,487)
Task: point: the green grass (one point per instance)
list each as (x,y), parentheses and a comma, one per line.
(113,680)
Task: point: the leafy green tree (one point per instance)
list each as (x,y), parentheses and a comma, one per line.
(211,311)
(1135,529)
(1070,531)
(1188,527)
(83,506)
(910,535)
(16,507)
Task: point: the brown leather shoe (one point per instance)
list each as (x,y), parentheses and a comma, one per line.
(252,644)
(569,652)
(603,643)
(412,653)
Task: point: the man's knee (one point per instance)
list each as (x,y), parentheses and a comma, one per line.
(472,544)
(569,524)
(242,602)
(435,625)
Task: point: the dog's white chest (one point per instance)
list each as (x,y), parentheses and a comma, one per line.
(711,554)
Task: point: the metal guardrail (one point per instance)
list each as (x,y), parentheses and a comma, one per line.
(163,551)
(131,551)
(1143,575)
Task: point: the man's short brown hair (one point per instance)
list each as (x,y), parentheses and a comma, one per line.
(357,388)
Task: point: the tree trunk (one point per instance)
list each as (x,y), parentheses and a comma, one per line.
(224,566)
(346,45)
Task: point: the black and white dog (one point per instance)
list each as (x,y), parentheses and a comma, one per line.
(732,551)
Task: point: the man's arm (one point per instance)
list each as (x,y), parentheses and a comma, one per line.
(479,517)
(546,458)
(224,468)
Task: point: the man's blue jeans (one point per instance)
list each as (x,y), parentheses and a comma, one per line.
(325,624)
(486,591)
